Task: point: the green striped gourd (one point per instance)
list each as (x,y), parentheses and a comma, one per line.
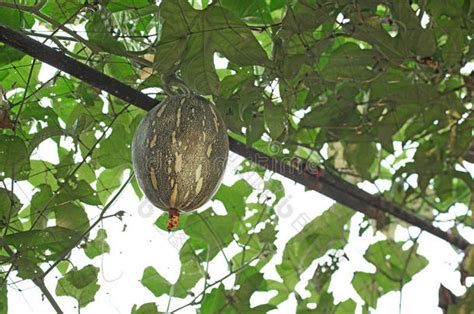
(179,154)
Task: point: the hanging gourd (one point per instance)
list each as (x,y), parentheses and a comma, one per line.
(180,152)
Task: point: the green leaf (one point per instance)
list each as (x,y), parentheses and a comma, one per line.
(234,197)
(121,5)
(136,188)
(101,36)
(176,17)
(197,66)
(191,270)
(268,234)
(115,150)
(55,239)
(390,259)
(42,172)
(425,44)
(28,266)
(350,62)
(451,8)
(393,266)
(366,285)
(361,156)
(9,205)
(456,43)
(210,231)
(215,301)
(317,237)
(8,55)
(71,216)
(147,308)
(304,16)
(62,10)
(44,134)
(14,158)
(335,113)
(250,280)
(152,280)
(255,11)
(40,206)
(98,246)
(234,38)
(79,284)
(80,190)
(84,121)
(121,69)
(12,18)
(108,181)
(392,48)
(86,173)
(255,129)
(250,166)
(348,306)
(275,119)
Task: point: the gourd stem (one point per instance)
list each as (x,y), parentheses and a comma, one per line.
(172,80)
(173,220)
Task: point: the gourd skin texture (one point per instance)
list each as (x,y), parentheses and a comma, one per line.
(179,153)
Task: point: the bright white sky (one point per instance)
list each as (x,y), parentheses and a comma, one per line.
(142,245)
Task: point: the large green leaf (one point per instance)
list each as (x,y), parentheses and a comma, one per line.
(115,150)
(250,281)
(8,55)
(325,232)
(394,266)
(62,10)
(98,246)
(191,272)
(71,216)
(350,62)
(155,282)
(215,301)
(9,205)
(14,158)
(361,156)
(55,239)
(275,119)
(11,17)
(255,11)
(304,16)
(40,206)
(80,284)
(101,36)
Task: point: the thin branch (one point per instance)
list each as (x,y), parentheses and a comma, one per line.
(26,8)
(28,81)
(405,267)
(40,283)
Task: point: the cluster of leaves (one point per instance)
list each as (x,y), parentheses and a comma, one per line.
(340,83)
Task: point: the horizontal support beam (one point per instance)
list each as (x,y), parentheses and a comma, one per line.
(321,181)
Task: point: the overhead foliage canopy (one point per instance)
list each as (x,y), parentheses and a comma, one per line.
(374,91)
